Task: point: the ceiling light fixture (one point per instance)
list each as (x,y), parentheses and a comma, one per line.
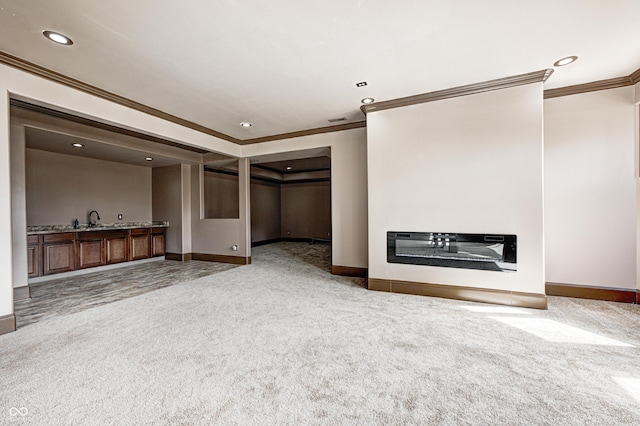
(368,101)
(77,145)
(149,158)
(58,38)
(565,61)
(245,124)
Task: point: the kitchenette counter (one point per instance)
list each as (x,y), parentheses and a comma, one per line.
(53,229)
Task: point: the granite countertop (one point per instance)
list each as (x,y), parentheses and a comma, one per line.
(52,229)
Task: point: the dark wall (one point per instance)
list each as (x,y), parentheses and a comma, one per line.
(265,210)
(306,210)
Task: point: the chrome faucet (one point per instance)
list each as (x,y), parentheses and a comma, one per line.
(92,221)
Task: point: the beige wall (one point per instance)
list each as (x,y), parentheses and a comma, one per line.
(306,210)
(217,236)
(348,188)
(221,194)
(265,210)
(590,189)
(61,188)
(471,164)
(29,87)
(167,203)
(18,205)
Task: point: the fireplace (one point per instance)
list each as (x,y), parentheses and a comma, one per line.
(490,252)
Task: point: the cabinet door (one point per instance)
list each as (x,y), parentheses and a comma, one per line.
(33,260)
(157,245)
(139,246)
(116,249)
(90,253)
(59,257)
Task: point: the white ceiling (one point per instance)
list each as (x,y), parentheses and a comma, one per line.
(290,65)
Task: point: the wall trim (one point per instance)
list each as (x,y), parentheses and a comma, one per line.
(7,324)
(635,76)
(221,258)
(297,134)
(349,271)
(57,77)
(454,92)
(472,294)
(21,293)
(612,83)
(595,293)
(181,257)
(40,71)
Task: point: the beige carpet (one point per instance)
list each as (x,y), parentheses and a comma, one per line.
(284,342)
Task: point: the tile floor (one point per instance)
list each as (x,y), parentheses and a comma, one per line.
(76,294)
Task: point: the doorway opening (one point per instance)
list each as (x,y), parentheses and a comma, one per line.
(291,204)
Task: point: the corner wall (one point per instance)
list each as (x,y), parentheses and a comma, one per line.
(471,164)
(590,196)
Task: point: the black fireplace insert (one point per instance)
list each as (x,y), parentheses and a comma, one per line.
(491,252)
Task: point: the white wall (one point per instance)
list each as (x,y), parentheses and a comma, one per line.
(590,189)
(348,188)
(471,164)
(61,188)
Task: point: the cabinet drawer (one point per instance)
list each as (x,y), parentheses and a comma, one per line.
(140,231)
(33,239)
(61,237)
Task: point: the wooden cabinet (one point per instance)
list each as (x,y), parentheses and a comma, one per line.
(139,244)
(58,253)
(157,242)
(90,249)
(67,251)
(116,247)
(34,256)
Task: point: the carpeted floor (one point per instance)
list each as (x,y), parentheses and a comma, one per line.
(282,341)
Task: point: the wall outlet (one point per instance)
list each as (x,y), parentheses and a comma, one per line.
(119,216)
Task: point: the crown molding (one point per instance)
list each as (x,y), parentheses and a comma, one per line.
(35,69)
(57,77)
(611,83)
(316,131)
(635,76)
(469,89)
(593,86)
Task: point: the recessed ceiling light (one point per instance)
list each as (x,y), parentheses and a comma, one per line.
(565,61)
(77,145)
(149,158)
(367,100)
(58,38)
(289,168)
(245,124)
(361,84)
